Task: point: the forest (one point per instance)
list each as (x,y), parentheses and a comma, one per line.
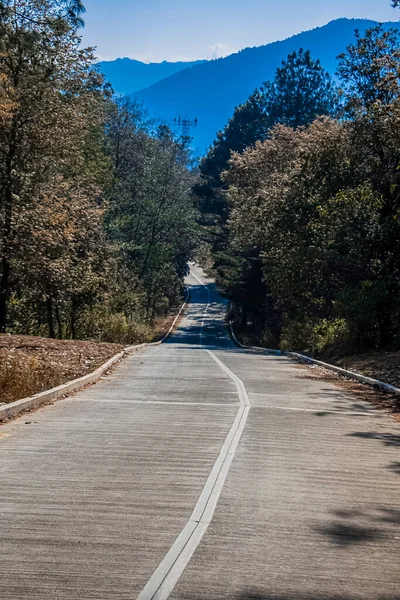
(97,217)
(300,204)
(295,208)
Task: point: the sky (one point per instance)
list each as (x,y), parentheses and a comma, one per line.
(157,30)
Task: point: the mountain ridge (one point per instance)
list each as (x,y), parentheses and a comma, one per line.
(128,75)
(210,91)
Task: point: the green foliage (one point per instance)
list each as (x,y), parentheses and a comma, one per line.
(97,220)
(369,70)
(300,92)
(314,338)
(98,323)
(247,125)
(151,215)
(317,206)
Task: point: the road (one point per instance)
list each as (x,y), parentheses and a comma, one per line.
(201,471)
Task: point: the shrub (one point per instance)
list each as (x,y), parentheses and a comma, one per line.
(22,379)
(98,324)
(317,337)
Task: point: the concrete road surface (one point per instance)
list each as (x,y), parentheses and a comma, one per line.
(200,471)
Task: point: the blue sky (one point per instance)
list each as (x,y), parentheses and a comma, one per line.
(156,30)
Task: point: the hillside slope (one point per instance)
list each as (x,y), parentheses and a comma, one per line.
(128,76)
(211,90)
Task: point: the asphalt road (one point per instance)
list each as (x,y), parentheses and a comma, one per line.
(201,471)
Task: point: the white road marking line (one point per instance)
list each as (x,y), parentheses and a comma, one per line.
(166,576)
(208,303)
(243,397)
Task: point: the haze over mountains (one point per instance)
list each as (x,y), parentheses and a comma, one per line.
(128,75)
(210,90)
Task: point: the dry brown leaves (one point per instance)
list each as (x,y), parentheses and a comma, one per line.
(29,365)
(384,366)
(378,398)
(164,323)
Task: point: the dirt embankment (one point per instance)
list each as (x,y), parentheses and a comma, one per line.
(384,366)
(29,365)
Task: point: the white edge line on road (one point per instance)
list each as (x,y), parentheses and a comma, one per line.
(133,348)
(208,303)
(166,576)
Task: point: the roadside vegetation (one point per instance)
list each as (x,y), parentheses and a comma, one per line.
(29,365)
(97,218)
(296,210)
(300,205)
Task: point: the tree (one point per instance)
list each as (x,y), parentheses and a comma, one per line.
(97,220)
(54,97)
(321,205)
(300,92)
(370,71)
(151,216)
(65,268)
(63,11)
(246,126)
(298,199)
(74,9)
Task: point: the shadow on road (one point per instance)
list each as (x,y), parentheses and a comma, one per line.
(345,534)
(395,467)
(388,439)
(355,526)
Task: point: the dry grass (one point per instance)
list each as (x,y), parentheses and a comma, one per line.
(19,380)
(163,324)
(29,365)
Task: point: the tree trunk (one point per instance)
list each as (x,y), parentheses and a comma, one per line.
(4,293)
(385,329)
(244,317)
(73,317)
(59,324)
(50,320)
(5,275)
(7,230)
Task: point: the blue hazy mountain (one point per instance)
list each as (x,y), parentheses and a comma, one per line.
(128,76)
(210,91)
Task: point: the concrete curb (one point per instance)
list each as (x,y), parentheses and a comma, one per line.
(19,406)
(387,387)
